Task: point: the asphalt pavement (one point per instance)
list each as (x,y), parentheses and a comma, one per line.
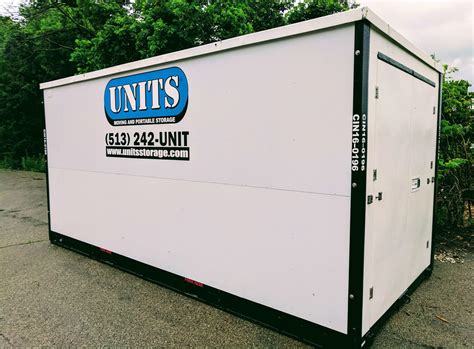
(53,297)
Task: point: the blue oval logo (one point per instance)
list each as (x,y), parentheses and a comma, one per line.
(156,97)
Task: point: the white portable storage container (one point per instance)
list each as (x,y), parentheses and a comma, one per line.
(287,176)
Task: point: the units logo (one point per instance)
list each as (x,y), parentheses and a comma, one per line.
(156,97)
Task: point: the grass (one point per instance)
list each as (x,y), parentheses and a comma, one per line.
(27,163)
(33,163)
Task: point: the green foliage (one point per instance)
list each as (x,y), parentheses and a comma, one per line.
(455,166)
(26,163)
(152,28)
(8,162)
(33,49)
(33,163)
(308,9)
(97,52)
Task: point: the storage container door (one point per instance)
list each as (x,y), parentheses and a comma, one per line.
(400,189)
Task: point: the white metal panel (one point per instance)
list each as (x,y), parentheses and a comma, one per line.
(262,116)
(402,145)
(278,248)
(262,208)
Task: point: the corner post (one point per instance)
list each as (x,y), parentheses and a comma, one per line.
(46,164)
(358,181)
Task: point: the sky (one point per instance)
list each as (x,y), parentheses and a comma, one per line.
(442,27)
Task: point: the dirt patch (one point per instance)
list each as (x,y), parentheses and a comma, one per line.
(454,246)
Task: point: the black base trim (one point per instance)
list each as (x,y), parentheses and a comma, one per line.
(289,325)
(286,324)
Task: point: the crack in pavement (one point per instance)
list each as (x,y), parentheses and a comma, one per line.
(36,222)
(11,214)
(23,243)
(15,210)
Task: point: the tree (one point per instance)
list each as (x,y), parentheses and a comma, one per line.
(309,9)
(154,27)
(36,48)
(455,167)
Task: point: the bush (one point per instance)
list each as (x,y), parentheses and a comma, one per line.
(33,163)
(455,165)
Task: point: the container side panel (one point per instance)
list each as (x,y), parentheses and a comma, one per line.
(402,151)
(258,206)
(278,248)
(273,115)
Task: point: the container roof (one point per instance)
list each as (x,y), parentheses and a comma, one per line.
(313,25)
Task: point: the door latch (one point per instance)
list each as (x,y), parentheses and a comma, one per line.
(370,198)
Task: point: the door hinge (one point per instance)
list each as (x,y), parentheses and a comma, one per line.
(370,199)
(371,292)
(376,92)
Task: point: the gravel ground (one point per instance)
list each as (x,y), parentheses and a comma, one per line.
(50,296)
